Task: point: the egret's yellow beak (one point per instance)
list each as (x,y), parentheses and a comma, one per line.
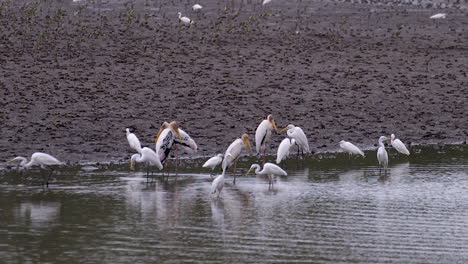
(274,126)
(132,165)
(248,172)
(178,134)
(388,138)
(286,128)
(10,161)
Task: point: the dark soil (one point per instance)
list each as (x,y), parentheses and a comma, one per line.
(75,75)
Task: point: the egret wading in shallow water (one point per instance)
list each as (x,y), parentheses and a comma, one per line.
(382,155)
(43,160)
(283,149)
(301,140)
(217,185)
(148,157)
(233,153)
(133,141)
(263,134)
(213,162)
(350,148)
(185,20)
(398,145)
(269,169)
(197,7)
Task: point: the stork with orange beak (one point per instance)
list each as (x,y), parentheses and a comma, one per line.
(263,134)
(165,139)
(234,151)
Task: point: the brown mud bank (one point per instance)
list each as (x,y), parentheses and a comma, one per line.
(75,75)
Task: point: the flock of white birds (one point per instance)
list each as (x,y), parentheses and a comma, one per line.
(171,138)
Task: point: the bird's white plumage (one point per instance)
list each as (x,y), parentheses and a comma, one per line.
(185,20)
(398,145)
(350,148)
(213,162)
(269,169)
(197,7)
(382,155)
(262,134)
(283,149)
(185,144)
(164,144)
(133,141)
(38,159)
(147,156)
(266,2)
(298,134)
(438,16)
(217,185)
(232,153)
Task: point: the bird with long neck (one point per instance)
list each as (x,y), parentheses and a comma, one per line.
(269,169)
(398,145)
(382,155)
(234,151)
(263,134)
(148,157)
(43,160)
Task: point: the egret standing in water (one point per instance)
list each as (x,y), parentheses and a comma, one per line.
(283,149)
(350,148)
(213,162)
(133,141)
(263,134)
(269,169)
(185,20)
(217,185)
(398,145)
(301,140)
(43,160)
(233,153)
(382,155)
(148,157)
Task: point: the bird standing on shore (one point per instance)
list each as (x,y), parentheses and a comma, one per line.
(233,152)
(263,134)
(382,155)
(148,157)
(350,148)
(43,160)
(283,149)
(213,162)
(297,133)
(269,169)
(438,16)
(133,141)
(185,20)
(197,7)
(398,145)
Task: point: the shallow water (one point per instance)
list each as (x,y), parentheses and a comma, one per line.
(328,210)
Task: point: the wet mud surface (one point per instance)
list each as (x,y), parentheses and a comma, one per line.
(75,75)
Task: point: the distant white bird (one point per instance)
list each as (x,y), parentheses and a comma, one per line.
(263,134)
(133,141)
(301,140)
(197,7)
(217,185)
(43,160)
(350,148)
(382,155)
(269,169)
(438,16)
(213,162)
(398,145)
(233,152)
(266,2)
(148,157)
(185,20)
(283,149)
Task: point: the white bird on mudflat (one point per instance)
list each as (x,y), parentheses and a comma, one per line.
(350,148)
(301,140)
(165,139)
(382,155)
(185,20)
(266,2)
(197,7)
(233,152)
(263,134)
(148,157)
(398,145)
(213,162)
(133,141)
(269,169)
(438,16)
(283,149)
(43,160)
(217,185)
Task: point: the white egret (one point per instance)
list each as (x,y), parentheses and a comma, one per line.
(297,133)
(233,153)
(398,145)
(148,157)
(266,2)
(263,134)
(217,185)
(269,169)
(185,20)
(165,139)
(350,148)
(283,149)
(382,155)
(197,7)
(438,16)
(43,160)
(213,162)
(133,141)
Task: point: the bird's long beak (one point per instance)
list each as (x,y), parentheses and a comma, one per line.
(387,138)
(286,128)
(132,165)
(274,126)
(157,135)
(248,172)
(10,161)
(178,134)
